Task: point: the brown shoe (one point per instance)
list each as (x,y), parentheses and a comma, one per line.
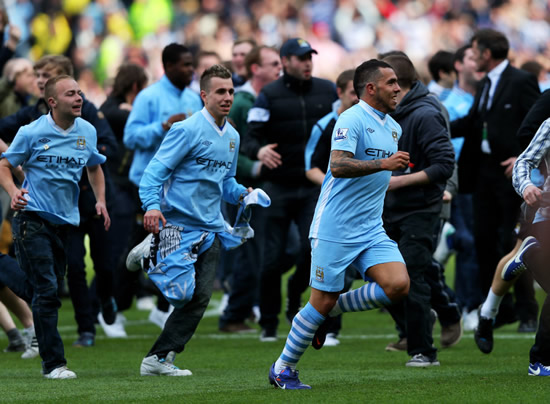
(237,328)
(451,335)
(400,345)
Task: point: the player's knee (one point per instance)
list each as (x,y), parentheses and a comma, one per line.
(398,289)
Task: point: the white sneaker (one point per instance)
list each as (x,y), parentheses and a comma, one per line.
(153,366)
(331,340)
(62,372)
(134,260)
(145,303)
(159,317)
(32,349)
(444,250)
(115,330)
(470,320)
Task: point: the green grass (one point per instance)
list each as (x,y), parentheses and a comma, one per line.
(233,369)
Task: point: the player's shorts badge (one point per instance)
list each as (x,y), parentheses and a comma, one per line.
(394,135)
(319,274)
(81,143)
(232,145)
(341,134)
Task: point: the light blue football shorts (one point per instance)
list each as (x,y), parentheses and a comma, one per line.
(329,260)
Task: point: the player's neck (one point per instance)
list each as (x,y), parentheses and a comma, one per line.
(63,122)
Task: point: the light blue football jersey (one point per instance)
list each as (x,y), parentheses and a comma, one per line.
(195,166)
(53,160)
(349,208)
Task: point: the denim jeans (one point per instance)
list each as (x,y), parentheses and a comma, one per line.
(40,248)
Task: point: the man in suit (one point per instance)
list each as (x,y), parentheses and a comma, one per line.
(491,147)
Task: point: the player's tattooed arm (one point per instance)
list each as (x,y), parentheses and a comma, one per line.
(343,165)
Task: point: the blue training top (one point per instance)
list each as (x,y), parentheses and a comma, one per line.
(193,169)
(53,160)
(348,208)
(143,132)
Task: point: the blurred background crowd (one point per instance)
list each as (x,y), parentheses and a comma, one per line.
(99,34)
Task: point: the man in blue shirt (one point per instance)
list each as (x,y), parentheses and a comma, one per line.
(347,225)
(155,109)
(53,151)
(181,190)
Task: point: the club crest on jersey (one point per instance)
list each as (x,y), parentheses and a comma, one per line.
(341,134)
(81,143)
(319,274)
(232,143)
(394,135)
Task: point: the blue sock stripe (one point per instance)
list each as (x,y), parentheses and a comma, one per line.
(358,300)
(311,315)
(381,295)
(349,305)
(298,342)
(303,327)
(289,359)
(291,350)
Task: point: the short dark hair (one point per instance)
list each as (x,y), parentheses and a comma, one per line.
(344,78)
(404,70)
(172,53)
(49,87)
(495,41)
(460,53)
(213,71)
(127,75)
(367,72)
(441,60)
(384,55)
(62,63)
(255,57)
(533,67)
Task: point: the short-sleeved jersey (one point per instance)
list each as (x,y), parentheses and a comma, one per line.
(53,160)
(202,161)
(348,208)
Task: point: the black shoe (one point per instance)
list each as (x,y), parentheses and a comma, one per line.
(320,335)
(109,310)
(268,335)
(86,340)
(483,334)
(528,326)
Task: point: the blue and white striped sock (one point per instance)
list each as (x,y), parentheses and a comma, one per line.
(367,297)
(301,334)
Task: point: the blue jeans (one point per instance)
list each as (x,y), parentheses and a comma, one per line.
(40,249)
(14,278)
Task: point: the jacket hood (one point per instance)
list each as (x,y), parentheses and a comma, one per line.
(414,99)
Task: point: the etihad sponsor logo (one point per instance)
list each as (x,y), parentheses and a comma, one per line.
(372,152)
(49,159)
(213,164)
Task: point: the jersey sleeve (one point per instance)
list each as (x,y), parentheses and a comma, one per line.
(19,150)
(346,133)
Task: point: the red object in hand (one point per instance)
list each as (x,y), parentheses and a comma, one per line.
(411,165)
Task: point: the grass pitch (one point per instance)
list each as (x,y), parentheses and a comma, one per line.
(234,368)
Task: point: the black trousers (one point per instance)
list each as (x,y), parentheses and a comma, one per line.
(183,321)
(414,236)
(288,204)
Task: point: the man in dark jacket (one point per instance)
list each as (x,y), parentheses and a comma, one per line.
(279,125)
(414,201)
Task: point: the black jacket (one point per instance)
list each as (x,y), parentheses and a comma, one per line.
(515,94)
(284,113)
(426,138)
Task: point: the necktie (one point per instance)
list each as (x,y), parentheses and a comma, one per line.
(485,98)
